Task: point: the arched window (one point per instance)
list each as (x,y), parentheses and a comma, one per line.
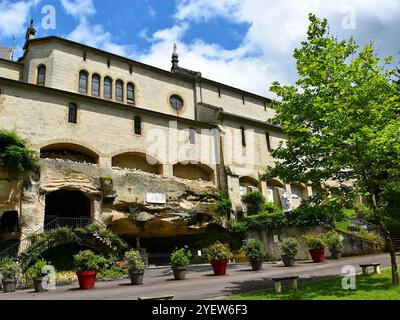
(96,85)
(138,125)
(107,88)
(192,136)
(243,131)
(119,90)
(41,76)
(72,113)
(130,93)
(83,82)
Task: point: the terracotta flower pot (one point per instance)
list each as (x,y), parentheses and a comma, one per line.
(87,279)
(219,267)
(179,272)
(136,276)
(256,265)
(317,255)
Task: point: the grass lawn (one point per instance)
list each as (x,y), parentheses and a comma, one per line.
(371,287)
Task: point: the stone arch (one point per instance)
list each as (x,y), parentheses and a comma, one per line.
(69,151)
(248,184)
(67,208)
(191,170)
(137,160)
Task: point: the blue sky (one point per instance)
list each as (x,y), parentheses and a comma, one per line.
(244,43)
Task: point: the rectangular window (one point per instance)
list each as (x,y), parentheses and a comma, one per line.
(72,113)
(107,88)
(268,139)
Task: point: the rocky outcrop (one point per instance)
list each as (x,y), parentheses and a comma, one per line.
(119,199)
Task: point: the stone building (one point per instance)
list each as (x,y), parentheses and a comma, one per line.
(139,149)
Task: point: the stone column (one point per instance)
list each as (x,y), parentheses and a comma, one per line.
(234,192)
(105,162)
(168,170)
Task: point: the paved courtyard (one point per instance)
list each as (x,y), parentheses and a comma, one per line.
(200,283)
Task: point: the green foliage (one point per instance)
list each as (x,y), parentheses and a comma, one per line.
(134,260)
(93,235)
(289,246)
(254,201)
(181,257)
(87,260)
(333,240)
(270,207)
(224,204)
(315,240)
(9,269)
(218,251)
(14,154)
(254,249)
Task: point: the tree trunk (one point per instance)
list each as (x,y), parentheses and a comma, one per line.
(388,241)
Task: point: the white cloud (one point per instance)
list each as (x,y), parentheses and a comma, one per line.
(14,16)
(79,8)
(91,34)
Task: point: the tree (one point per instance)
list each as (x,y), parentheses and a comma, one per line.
(341,119)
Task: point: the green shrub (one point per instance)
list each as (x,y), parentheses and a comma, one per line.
(218,251)
(9,269)
(315,240)
(334,240)
(289,246)
(270,207)
(254,202)
(87,260)
(134,260)
(181,257)
(254,249)
(14,153)
(224,204)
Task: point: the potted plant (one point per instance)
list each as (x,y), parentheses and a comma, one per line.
(289,248)
(87,264)
(316,244)
(136,266)
(218,255)
(180,258)
(255,252)
(334,241)
(10,270)
(38,282)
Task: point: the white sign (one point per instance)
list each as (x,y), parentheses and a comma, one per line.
(276,238)
(199,253)
(157,198)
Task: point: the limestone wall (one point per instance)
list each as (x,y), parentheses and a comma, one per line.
(152,89)
(10,70)
(353,245)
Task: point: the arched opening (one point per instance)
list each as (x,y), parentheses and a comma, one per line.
(138,161)
(72,152)
(247,185)
(67,208)
(9,222)
(275,189)
(194,172)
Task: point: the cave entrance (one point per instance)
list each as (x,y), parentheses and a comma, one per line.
(67,208)
(9,222)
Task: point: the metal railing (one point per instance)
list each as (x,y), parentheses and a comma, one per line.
(54,222)
(51,223)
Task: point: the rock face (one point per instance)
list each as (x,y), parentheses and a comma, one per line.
(119,199)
